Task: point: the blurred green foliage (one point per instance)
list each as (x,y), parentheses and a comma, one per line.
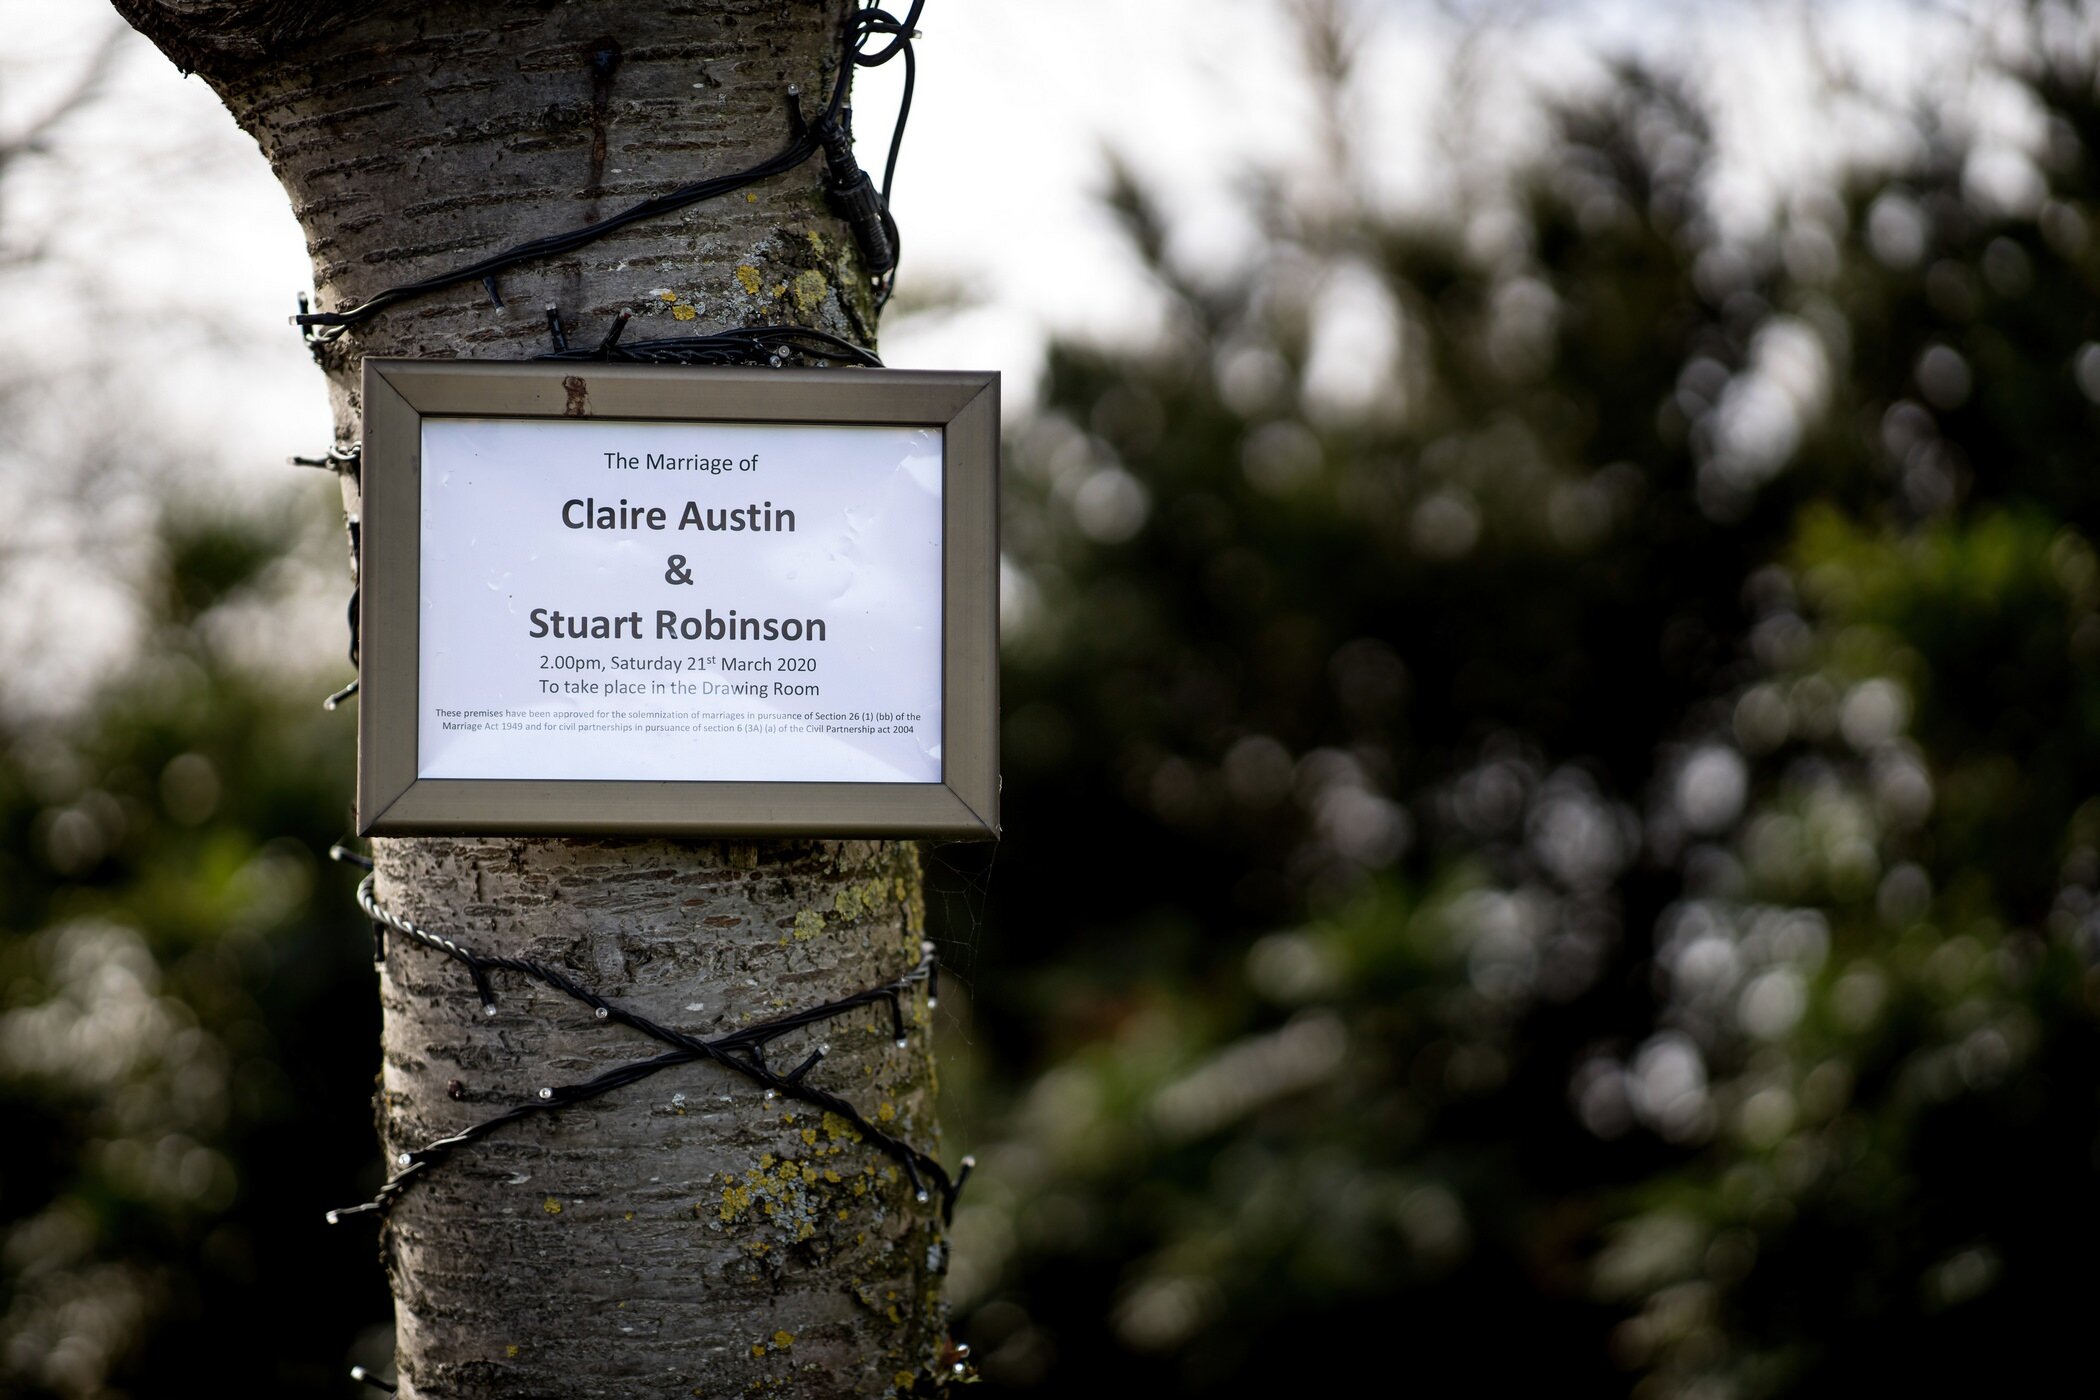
(1550,754)
(1551,839)
(186,1028)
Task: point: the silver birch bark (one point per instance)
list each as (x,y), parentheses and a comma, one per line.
(684,1236)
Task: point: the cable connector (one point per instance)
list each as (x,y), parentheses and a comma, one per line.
(851,192)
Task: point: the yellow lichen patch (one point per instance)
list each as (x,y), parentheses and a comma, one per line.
(780,291)
(810,290)
(666,294)
(816,242)
(831,1175)
(511,1350)
(682,312)
(852,901)
(551,1206)
(750,197)
(886,1111)
(903,1380)
(809,1136)
(782,1194)
(748,276)
(783,1340)
(836,1127)
(808,923)
(758,1348)
(628,1216)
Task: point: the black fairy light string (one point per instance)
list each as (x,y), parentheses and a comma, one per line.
(828,133)
(743,1051)
(853,197)
(758,346)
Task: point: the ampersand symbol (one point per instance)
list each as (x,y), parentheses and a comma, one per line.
(675,570)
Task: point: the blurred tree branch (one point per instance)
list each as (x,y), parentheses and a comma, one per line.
(33,136)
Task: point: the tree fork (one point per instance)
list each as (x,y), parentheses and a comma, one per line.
(683,1236)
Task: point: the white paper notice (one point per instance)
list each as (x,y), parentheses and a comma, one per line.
(686,602)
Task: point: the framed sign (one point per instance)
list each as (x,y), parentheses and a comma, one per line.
(655,600)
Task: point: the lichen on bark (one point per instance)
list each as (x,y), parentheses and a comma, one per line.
(694,1214)
(684,1236)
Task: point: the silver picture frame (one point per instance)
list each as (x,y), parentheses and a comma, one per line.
(399,394)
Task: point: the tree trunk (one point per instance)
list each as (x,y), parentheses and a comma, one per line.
(683,1236)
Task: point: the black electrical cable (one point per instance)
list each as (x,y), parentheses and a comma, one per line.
(875,21)
(774,346)
(864,24)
